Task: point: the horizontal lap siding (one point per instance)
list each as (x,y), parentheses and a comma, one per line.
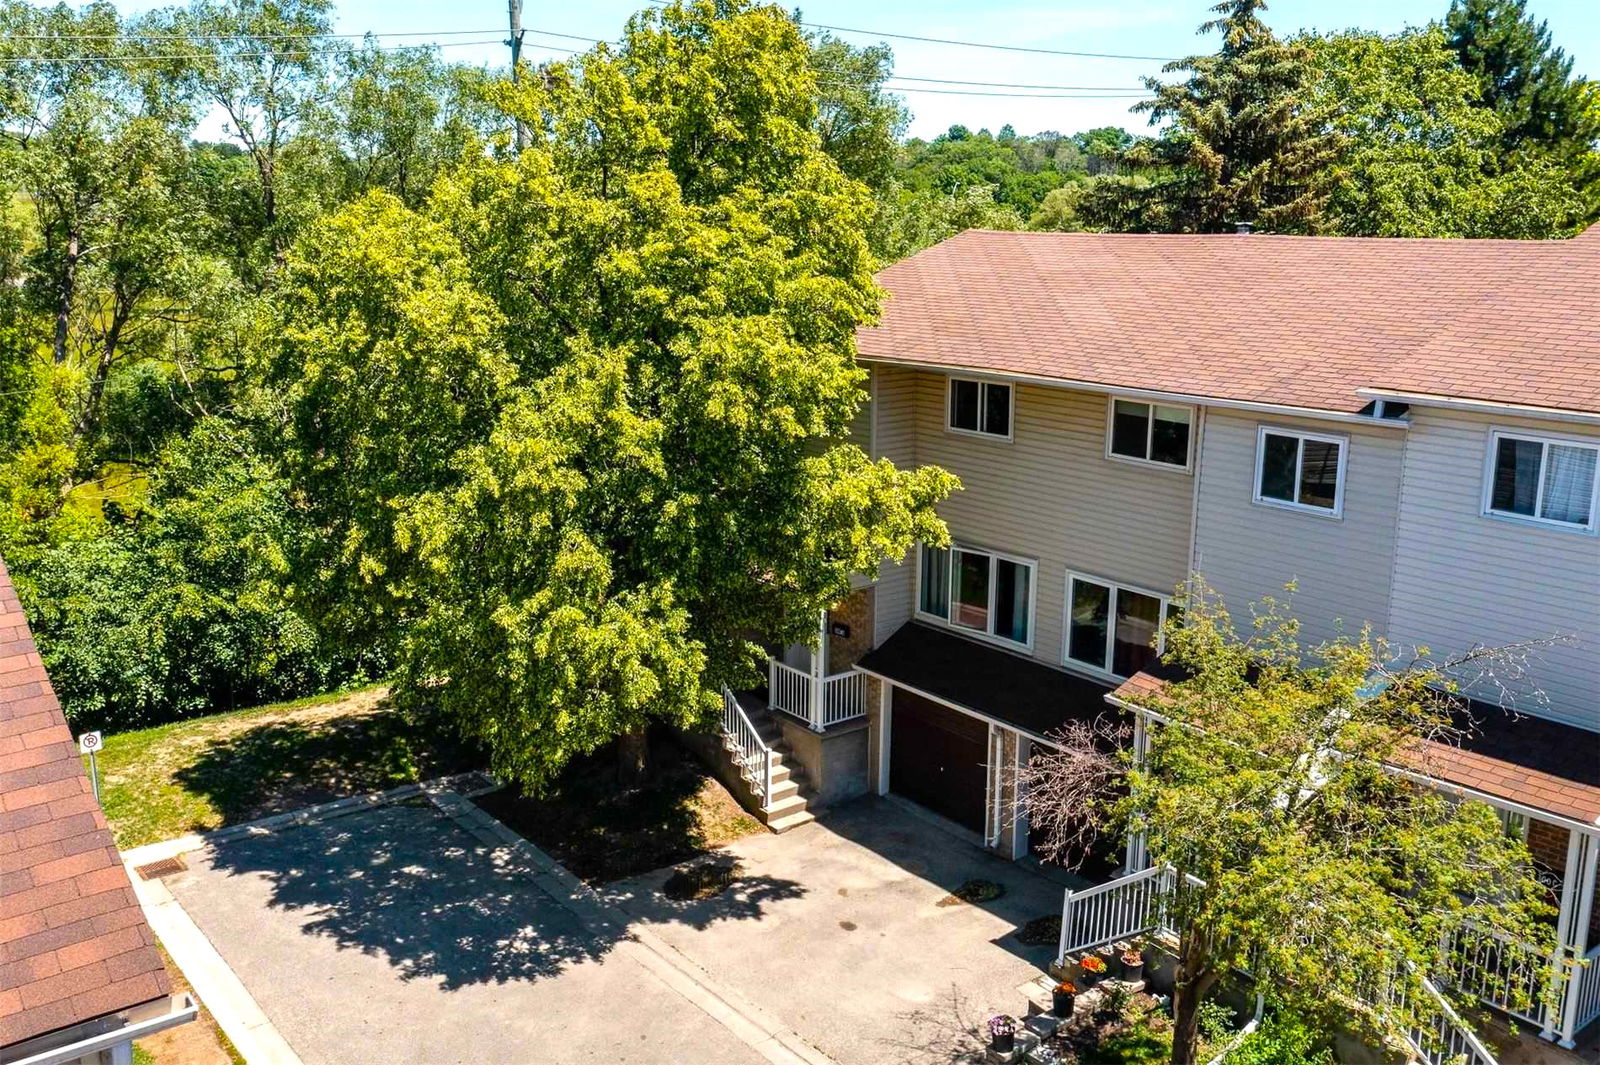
(1051,494)
(894,438)
(1462,579)
(1246,550)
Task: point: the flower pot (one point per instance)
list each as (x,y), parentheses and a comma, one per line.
(1061,1002)
(1003,1044)
(1133,972)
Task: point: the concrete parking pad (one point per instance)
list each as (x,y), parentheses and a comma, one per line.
(871,962)
(394,936)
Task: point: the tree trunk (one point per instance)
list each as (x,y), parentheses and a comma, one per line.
(1194,979)
(64,300)
(633,758)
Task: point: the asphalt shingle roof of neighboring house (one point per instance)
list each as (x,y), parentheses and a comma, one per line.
(1293,321)
(74,944)
(1545,764)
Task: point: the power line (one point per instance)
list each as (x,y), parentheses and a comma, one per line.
(1022,95)
(235,36)
(998,47)
(1014,85)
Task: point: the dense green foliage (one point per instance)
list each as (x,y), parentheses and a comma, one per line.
(264,402)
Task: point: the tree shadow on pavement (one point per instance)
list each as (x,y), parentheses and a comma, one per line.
(404,883)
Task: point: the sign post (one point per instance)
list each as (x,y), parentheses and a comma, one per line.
(88,744)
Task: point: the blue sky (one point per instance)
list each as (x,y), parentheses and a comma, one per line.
(1136,27)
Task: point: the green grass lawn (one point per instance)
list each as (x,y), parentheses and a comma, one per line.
(204,773)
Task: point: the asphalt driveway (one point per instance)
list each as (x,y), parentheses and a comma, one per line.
(873,962)
(404,934)
(394,936)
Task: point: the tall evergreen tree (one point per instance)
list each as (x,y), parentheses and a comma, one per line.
(1521,75)
(1246,143)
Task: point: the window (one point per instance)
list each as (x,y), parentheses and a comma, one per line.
(982,407)
(986,592)
(1542,479)
(1301,470)
(1150,432)
(1113,629)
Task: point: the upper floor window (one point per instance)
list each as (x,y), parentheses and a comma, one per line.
(982,407)
(1300,470)
(1542,479)
(1150,432)
(985,591)
(1113,629)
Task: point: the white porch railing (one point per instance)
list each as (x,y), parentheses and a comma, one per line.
(1587,980)
(1136,904)
(841,697)
(749,751)
(1512,977)
(1128,906)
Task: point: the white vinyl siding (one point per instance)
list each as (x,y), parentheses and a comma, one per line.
(1246,552)
(894,437)
(1055,496)
(1462,578)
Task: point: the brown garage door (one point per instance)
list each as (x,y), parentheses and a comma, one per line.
(937,758)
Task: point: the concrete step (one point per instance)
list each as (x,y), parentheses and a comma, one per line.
(784,789)
(783,824)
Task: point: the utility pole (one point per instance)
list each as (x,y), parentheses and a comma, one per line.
(514,10)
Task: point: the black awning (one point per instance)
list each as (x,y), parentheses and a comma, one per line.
(987,680)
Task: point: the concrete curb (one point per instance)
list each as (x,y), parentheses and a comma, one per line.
(746,1021)
(215,984)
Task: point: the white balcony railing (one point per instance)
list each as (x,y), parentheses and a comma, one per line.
(841,697)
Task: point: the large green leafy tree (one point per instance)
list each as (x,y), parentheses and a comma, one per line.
(571,434)
(1245,143)
(1420,158)
(1305,859)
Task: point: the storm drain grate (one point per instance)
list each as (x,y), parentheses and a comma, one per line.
(157,870)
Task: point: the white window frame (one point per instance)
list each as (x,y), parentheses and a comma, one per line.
(1263,431)
(1032,565)
(1149,436)
(1117,588)
(1493,452)
(982,383)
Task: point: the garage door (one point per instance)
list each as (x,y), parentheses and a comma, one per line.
(937,758)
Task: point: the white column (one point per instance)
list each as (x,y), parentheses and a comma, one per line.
(819,671)
(122,1053)
(1579,889)
(1136,859)
(885,713)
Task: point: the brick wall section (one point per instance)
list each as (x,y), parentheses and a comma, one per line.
(856,611)
(73,942)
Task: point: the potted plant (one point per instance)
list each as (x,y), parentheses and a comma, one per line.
(1062,998)
(1132,964)
(1093,967)
(1002,1033)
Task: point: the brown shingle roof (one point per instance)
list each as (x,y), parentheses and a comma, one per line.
(1544,764)
(73,942)
(1297,321)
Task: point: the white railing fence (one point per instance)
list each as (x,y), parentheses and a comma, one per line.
(844,696)
(1588,980)
(1440,1036)
(841,697)
(789,689)
(1128,906)
(750,752)
(1512,977)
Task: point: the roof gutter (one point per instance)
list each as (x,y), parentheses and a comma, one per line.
(1191,398)
(181,1009)
(1482,406)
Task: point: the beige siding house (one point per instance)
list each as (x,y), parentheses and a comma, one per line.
(1408,430)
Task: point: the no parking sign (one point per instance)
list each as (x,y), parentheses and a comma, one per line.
(88,744)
